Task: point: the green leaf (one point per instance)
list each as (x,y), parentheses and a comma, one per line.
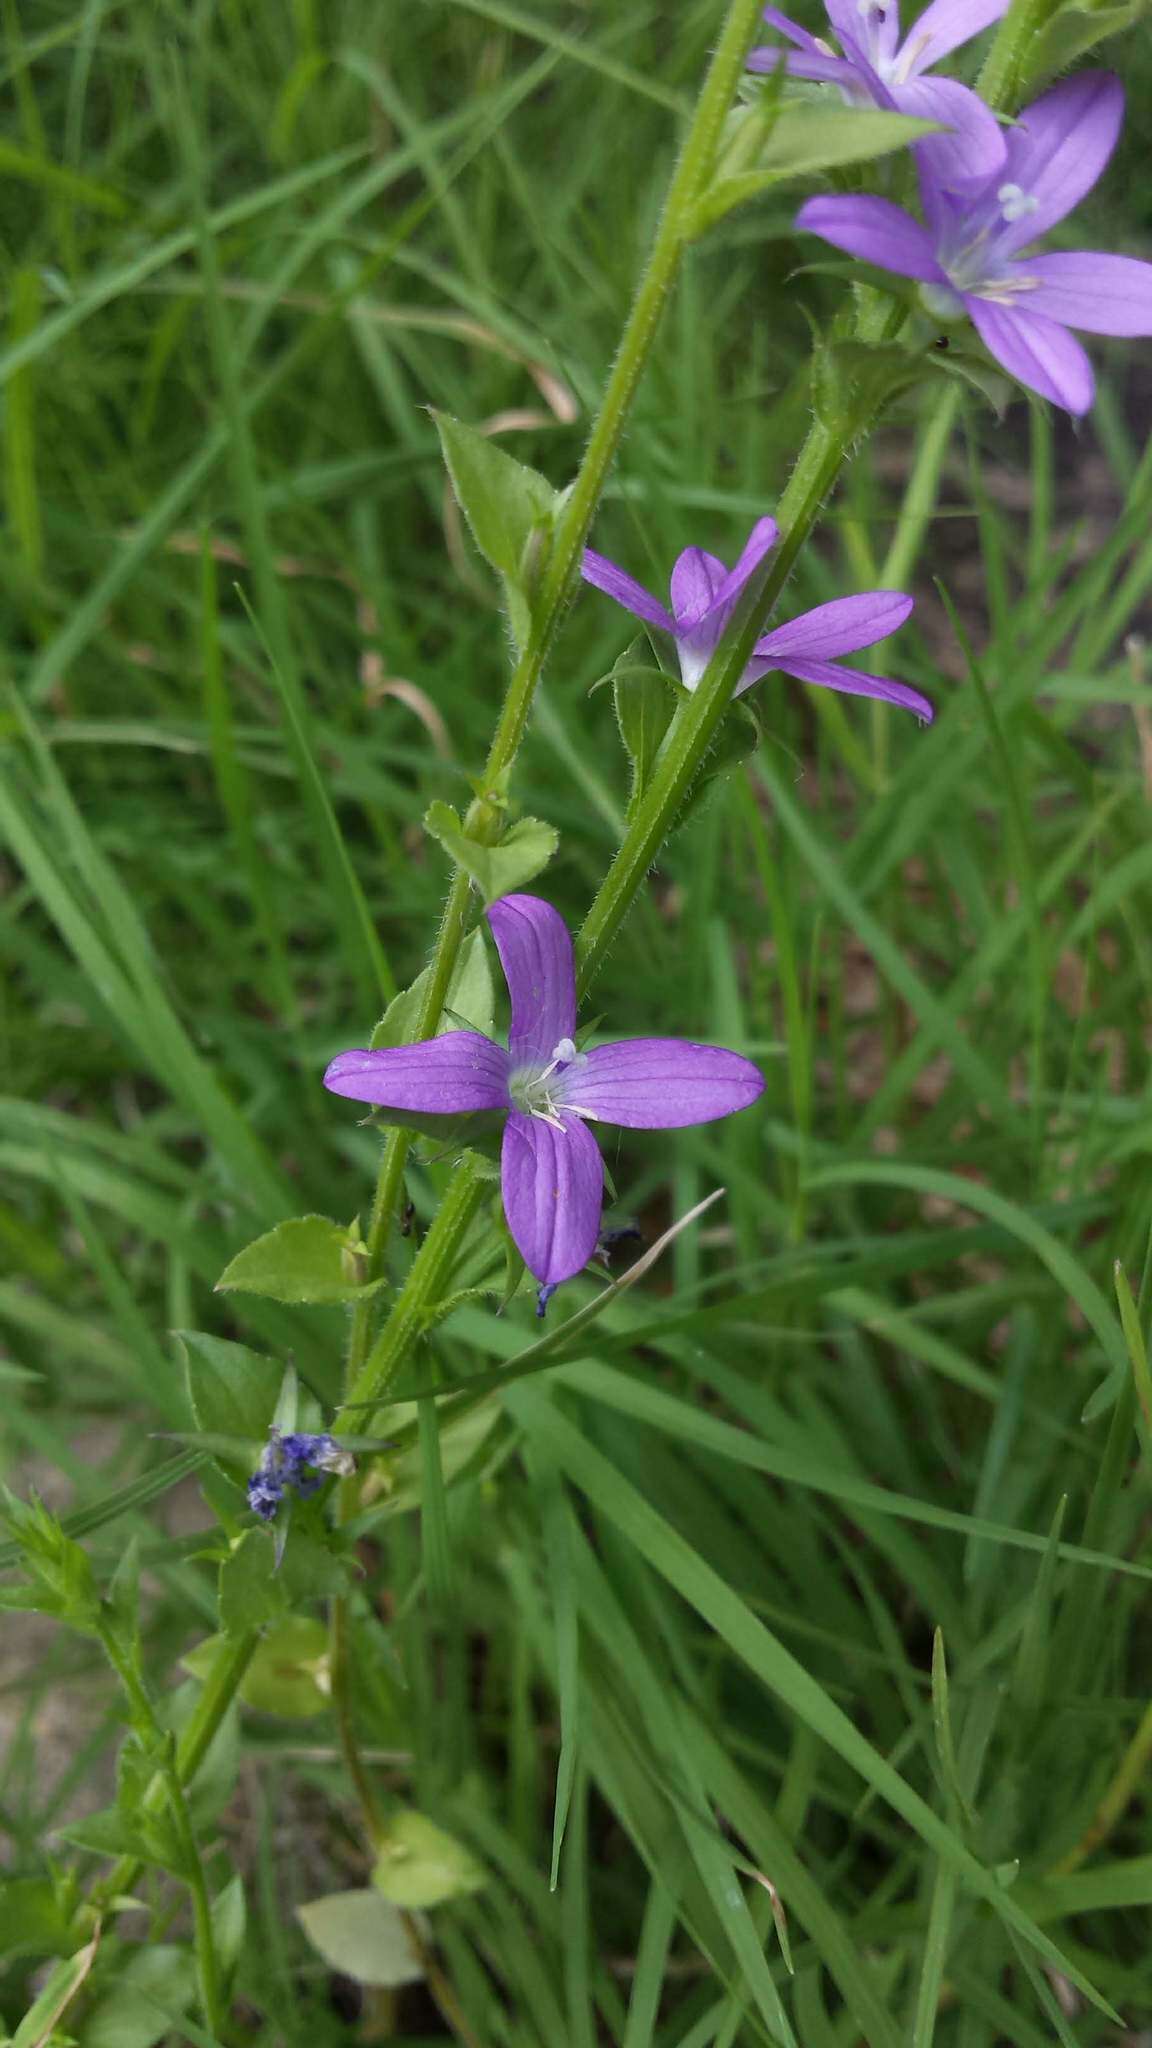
(289,1673)
(978,373)
(478,1130)
(231,1391)
(255,1589)
(804,139)
(306,1259)
(110,1833)
(251,1590)
(61,1575)
(471,999)
(852,381)
(509,507)
(128,2016)
(229,1920)
(122,1601)
(34,1919)
(737,739)
(525,848)
(362,1936)
(463,1436)
(645,701)
(420,1865)
(54,2000)
(1074,30)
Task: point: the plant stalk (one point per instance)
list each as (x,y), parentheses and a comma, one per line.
(693,168)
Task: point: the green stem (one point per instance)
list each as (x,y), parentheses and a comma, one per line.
(340,1664)
(425,1286)
(220,1688)
(1005,73)
(169,1783)
(693,168)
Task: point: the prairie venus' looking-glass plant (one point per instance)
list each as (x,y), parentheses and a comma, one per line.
(301,1504)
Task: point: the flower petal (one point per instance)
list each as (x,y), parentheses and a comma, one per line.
(1098,294)
(841,627)
(852,682)
(946,24)
(553,1187)
(696,577)
(445,1076)
(1037,351)
(598,570)
(760,541)
(536,955)
(813,65)
(873,31)
(973,146)
(802,37)
(660,1084)
(1059,148)
(696,645)
(875,230)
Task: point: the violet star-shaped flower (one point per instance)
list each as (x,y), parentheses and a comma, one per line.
(551,1173)
(878,70)
(970,257)
(704,594)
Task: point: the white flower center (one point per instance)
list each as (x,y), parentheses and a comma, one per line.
(1015,203)
(535,1090)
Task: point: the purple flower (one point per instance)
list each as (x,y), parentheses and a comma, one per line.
(878,70)
(265,1494)
(968,259)
(298,1462)
(704,595)
(551,1171)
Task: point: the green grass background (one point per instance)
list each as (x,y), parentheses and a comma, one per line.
(697,1573)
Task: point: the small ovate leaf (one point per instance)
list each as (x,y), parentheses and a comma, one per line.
(498,870)
(362,1936)
(305,1259)
(470,1002)
(229,1922)
(421,1865)
(510,508)
(645,702)
(289,1675)
(232,1391)
(804,139)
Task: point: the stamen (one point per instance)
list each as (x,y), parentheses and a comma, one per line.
(1015,203)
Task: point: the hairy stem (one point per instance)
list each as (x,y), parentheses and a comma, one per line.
(425,1286)
(169,1784)
(1005,73)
